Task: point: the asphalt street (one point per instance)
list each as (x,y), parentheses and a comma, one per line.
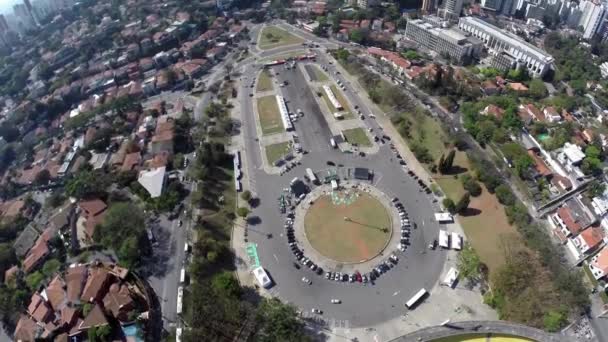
(361,305)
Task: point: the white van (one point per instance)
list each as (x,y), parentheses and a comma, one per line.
(332,142)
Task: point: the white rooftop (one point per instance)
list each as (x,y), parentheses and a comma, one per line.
(573,153)
(508,37)
(153,181)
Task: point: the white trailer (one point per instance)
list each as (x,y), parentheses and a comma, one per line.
(456,241)
(444,239)
(451,277)
(262,277)
(311,176)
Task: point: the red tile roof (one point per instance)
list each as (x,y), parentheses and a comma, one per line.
(55,293)
(10,273)
(131,161)
(566,216)
(95,318)
(602,260)
(118,301)
(75,279)
(96,285)
(69,315)
(36,255)
(92,207)
(539,164)
(592,236)
(26,329)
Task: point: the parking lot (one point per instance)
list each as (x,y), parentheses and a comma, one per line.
(361,304)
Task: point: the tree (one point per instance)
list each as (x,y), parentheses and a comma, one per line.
(504,195)
(87,183)
(554,320)
(55,199)
(537,89)
(595,188)
(463,203)
(449,161)
(470,185)
(469,263)
(42,177)
(449,205)
(242,211)
(123,230)
(50,267)
(278,322)
(226,285)
(441,163)
(246,196)
(357,36)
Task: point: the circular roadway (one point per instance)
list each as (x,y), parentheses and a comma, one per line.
(361,305)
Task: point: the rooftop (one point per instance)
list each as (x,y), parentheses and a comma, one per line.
(153,181)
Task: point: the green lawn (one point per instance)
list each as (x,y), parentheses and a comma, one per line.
(272,37)
(487,229)
(428,131)
(359,238)
(269,115)
(357,136)
(264,81)
(275,152)
(346,112)
(319,74)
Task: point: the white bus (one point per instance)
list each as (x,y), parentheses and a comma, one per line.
(415,299)
(262,277)
(178,335)
(182,276)
(311,176)
(180,297)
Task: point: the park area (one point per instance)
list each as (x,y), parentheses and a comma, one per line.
(276,152)
(485,222)
(348,226)
(357,136)
(269,115)
(264,81)
(272,37)
(315,73)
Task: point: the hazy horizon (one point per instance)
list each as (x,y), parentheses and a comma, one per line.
(6,6)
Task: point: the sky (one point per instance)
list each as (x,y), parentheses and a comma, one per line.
(6,6)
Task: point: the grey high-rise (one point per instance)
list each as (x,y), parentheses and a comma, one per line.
(450,10)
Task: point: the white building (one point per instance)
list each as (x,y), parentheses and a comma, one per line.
(599,264)
(153,181)
(497,41)
(593,15)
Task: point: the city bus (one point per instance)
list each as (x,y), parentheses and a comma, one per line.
(180,297)
(416,298)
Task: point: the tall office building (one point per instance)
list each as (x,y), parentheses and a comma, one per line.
(428,6)
(592,17)
(3,24)
(450,10)
(23,16)
(492,5)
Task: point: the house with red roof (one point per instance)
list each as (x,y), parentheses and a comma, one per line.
(493,110)
(599,264)
(586,242)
